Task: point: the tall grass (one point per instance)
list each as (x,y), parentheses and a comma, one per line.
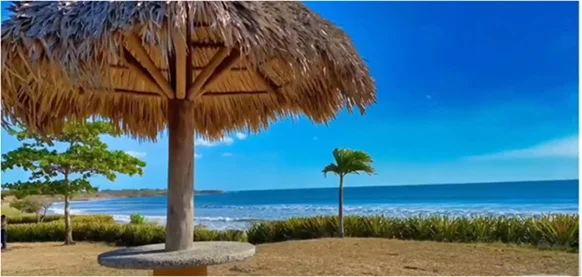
(560,231)
(23,219)
(12,212)
(119,234)
(549,231)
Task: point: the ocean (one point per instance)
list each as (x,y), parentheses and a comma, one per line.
(237,209)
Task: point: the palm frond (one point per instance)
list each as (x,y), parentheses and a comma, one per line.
(351,161)
(330,168)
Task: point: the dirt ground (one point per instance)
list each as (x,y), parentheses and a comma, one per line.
(349,256)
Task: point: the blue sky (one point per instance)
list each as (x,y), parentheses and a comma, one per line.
(467,92)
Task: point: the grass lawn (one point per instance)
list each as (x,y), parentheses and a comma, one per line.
(349,256)
(10,212)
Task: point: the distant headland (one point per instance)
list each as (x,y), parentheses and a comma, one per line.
(148,192)
(121,193)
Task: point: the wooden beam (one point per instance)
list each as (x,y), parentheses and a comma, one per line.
(195,88)
(234,93)
(180,59)
(270,86)
(122,91)
(134,43)
(224,67)
(153,94)
(136,68)
(206,44)
(194,68)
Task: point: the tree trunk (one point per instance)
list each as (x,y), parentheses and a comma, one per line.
(341,207)
(179,223)
(68,227)
(45,209)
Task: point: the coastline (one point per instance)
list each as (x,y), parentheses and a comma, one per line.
(107,194)
(239,210)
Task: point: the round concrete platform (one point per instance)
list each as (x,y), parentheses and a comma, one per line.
(200,255)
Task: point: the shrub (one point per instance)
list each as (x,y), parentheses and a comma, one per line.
(559,231)
(549,231)
(137,219)
(27,205)
(120,234)
(203,234)
(97,218)
(49,218)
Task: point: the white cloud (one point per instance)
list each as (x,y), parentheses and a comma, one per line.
(136,154)
(223,141)
(210,143)
(241,136)
(197,156)
(560,148)
(227,154)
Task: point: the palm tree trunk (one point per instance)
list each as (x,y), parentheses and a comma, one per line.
(68,227)
(341,207)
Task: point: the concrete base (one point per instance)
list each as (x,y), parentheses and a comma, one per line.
(189,271)
(191,262)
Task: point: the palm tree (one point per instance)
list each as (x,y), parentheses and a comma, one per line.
(348,161)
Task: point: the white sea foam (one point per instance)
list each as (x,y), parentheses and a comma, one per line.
(59,210)
(211,222)
(218,223)
(240,217)
(243,216)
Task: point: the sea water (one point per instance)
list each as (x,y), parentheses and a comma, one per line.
(237,209)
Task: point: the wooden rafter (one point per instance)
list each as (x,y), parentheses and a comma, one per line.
(194,68)
(123,91)
(135,47)
(224,67)
(270,86)
(138,69)
(155,95)
(234,93)
(195,89)
(207,44)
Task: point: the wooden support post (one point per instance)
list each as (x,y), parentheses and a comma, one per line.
(188,271)
(179,223)
(183,65)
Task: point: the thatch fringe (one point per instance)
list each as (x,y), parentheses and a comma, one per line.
(64,61)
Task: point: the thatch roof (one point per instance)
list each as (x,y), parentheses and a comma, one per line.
(251,63)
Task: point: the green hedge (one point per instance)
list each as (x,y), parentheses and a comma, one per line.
(50,218)
(120,234)
(559,231)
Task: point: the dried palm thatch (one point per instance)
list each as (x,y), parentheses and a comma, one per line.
(241,65)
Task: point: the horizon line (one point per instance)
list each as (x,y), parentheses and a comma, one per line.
(360,186)
(408,185)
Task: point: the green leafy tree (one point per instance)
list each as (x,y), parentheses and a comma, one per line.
(67,172)
(27,205)
(35,205)
(347,162)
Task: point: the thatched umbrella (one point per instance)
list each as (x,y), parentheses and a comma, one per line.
(205,67)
